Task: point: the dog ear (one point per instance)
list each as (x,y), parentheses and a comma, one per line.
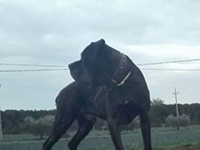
(101,46)
(102,41)
(94,48)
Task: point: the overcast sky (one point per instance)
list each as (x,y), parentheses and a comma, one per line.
(54,32)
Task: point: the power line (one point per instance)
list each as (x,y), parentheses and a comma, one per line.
(169,62)
(34,70)
(30,65)
(142,64)
(63,69)
(160,69)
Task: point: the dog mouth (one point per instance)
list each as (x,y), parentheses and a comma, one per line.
(81,73)
(81,77)
(74,76)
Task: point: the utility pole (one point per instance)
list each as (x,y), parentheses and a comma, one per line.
(177,112)
(1,134)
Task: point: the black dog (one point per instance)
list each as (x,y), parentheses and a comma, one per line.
(125,94)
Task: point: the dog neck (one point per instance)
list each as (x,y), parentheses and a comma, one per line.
(120,75)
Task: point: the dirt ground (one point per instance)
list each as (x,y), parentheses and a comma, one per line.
(186,148)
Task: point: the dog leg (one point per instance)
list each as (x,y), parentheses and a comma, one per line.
(112,125)
(115,134)
(146,130)
(60,127)
(85,125)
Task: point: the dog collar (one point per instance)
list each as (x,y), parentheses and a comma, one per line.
(123,81)
(121,74)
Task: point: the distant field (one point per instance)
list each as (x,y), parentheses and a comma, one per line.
(161,138)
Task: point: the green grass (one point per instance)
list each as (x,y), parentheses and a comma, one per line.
(19,137)
(161,138)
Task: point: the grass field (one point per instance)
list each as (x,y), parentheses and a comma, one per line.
(162,138)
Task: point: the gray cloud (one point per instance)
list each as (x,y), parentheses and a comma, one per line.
(56,31)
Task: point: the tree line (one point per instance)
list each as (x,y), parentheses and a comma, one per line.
(40,122)
(160,111)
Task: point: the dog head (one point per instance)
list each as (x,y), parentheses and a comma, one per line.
(80,73)
(96,66)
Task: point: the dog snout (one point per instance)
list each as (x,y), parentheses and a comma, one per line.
(75,65)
